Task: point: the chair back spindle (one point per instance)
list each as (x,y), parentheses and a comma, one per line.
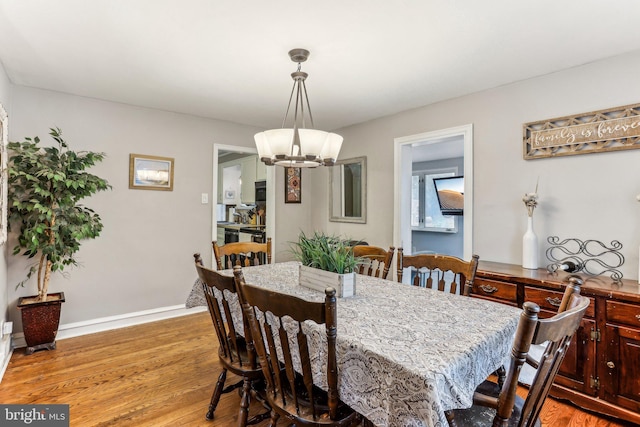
(374,261)
(244,254)
(557,332)
(281,325)
(437,271)
(217,289)
(235,351)
(503,405)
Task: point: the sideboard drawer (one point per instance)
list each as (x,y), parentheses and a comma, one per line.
(620,312)
(495,290)
(551,300)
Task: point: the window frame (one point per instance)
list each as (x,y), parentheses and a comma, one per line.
(422,207)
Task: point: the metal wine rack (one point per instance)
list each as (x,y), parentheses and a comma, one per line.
(591,257)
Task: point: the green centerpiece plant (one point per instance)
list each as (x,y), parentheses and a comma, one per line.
(45,187)
(325,252)
(327,261)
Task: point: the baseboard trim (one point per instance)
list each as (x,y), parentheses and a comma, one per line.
(101,324)
(5,364)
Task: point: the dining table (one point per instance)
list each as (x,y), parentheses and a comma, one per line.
(405,354)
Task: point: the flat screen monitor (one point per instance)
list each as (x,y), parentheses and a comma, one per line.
(450,191)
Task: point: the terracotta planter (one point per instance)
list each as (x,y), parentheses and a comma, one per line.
(40,321)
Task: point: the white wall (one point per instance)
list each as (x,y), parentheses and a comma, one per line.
(291,218)
(582,196)
(5,342)
(368,139)
(143,258)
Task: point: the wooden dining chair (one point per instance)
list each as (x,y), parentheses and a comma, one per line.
(242,253)
(501,406)
(291,393)
(235,352)
(374,261)
(434,270)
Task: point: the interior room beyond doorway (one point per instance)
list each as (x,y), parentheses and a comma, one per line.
(242,187)
(419,159)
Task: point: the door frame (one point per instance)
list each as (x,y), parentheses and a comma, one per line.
(271,196)
(402,171)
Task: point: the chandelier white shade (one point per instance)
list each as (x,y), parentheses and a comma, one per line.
(298,146)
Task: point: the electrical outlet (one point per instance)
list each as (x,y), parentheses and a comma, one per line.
(7,328)
(205,198)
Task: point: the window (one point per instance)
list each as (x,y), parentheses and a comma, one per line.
(425,210)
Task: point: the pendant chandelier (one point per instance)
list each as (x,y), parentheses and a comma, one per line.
(298,146)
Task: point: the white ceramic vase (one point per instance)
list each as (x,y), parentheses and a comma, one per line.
(530,247)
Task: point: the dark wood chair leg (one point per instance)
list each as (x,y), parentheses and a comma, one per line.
(366,422)
(256,396)
(450,418)
(274,419)
(217,392)
(501,373)
(244,403)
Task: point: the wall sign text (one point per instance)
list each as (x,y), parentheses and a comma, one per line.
(599,131)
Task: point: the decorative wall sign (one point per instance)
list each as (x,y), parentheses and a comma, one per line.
(150,172)
(599,131)
(292,185)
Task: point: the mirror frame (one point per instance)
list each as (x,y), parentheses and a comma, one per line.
(359,219)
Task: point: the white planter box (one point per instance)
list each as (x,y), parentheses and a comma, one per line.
(319,280)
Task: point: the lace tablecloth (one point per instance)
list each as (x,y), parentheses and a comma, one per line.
(405,354)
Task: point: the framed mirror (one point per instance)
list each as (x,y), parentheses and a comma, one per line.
(348,191)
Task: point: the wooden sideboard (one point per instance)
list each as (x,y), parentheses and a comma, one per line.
(601,371)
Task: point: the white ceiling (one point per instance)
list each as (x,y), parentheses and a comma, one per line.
(436,149)
(228,59)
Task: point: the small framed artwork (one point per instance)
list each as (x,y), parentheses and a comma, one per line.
(292,185)
(150,172)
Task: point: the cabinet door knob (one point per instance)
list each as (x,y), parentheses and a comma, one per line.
(488,289)
(611,365)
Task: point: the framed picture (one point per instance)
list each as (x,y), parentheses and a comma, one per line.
(150,172)
(292,185)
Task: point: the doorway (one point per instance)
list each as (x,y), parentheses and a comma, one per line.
(220,151)
(407,149)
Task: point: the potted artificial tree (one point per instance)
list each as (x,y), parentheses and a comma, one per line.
(326,261)
(45,187)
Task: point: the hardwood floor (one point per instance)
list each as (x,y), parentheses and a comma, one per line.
(156,374)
